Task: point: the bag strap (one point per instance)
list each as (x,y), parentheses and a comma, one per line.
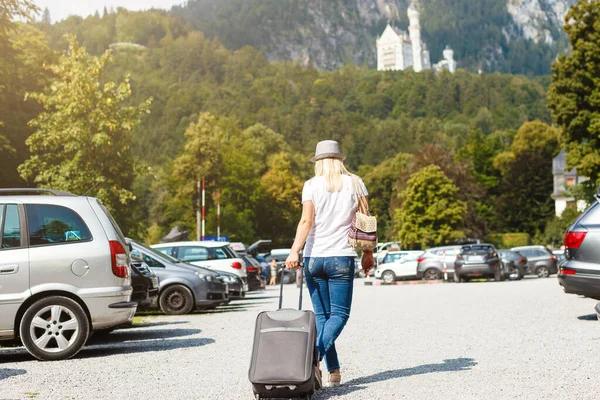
(359,192)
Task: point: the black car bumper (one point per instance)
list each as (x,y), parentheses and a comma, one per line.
(475,270)
(584,285)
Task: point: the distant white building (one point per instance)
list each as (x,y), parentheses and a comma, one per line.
(448,61)
(399,50)
(563,180)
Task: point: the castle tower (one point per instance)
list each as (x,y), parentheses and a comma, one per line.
(449,57)
(415,37)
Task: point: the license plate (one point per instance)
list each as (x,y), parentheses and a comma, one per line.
(476,258)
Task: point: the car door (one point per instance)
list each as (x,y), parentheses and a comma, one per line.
(14,265)
(531,258)
(64,254)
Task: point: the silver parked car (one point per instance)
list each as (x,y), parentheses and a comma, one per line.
(64,271)
(182,287)
(431,264)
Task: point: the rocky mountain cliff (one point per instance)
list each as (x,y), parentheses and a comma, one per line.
(516,36)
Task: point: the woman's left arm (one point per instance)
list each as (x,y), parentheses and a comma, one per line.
(304,227)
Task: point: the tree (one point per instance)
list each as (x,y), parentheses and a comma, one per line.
(381,182)
(46,19)
(575,90)
(431,213)
(278,207)
(524,203)
(81,141)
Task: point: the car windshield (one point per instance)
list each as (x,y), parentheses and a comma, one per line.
(156,253)
(476,249)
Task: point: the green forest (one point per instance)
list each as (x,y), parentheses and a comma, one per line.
(138,106)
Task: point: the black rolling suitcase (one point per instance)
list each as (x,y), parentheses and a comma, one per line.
(284,353)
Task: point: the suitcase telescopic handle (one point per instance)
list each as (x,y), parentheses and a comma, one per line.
(281,287)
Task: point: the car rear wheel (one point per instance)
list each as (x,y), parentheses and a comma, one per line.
(287,279)
(542,272)
(54,328)
(176,300)
(432,274)
(516,275)
(388,277)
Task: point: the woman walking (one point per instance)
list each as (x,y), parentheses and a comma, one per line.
(329,203)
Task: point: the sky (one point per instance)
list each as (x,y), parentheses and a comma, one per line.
(61,9)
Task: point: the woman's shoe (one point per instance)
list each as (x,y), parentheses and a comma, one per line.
(318,378)
(335,379)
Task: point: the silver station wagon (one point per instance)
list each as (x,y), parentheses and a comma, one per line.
(64,271)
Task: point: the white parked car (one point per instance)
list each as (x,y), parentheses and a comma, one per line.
(404,268)
(217,256)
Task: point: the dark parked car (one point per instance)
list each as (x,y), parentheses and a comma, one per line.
(515,264)
(255,279)
(236,287)
(580,272)
(540,260)
(432,262)
(182,287)
(478,261)
(144,283)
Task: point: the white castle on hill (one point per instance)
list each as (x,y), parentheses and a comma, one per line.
(398,50)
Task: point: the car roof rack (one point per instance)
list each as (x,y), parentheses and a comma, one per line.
(33,192)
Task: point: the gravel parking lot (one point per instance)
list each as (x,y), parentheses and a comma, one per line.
(451,341)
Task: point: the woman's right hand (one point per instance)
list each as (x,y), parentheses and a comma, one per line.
(367,261)
(292,260)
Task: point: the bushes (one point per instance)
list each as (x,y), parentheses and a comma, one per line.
(509,240)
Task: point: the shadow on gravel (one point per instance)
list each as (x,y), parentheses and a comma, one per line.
(454,365)
(261,297)
(142,347)
(131,335)
(8,372)
(154,324)
(588,317)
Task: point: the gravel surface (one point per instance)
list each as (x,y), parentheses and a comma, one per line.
(487,340)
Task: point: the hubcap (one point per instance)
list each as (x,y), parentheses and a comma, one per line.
(431,275)
(54,328)
(176,300)
(388,278)
(543,272)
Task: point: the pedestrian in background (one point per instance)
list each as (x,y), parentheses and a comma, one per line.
(273,266)
(329,203)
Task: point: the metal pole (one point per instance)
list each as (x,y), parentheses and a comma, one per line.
(203,207)
(198,211)
(219,214)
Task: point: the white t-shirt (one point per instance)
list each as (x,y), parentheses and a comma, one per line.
(333,215)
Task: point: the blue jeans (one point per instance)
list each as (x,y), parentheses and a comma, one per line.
(330,281)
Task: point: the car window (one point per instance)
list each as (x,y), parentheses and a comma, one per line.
(168,251)
(50,224)
(527,253)
(10,227)
(450,252)
(152,262)
(113,222)
(541,253)
(193,254)
(219,253)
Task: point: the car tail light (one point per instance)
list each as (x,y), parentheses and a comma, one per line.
(573,240)
(522,261)
(553,257)
(421,259)
(251,269)
(236,265)
(566,271)
(493,255)
(119,259)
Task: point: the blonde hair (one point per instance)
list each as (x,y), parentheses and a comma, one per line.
(332,169)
